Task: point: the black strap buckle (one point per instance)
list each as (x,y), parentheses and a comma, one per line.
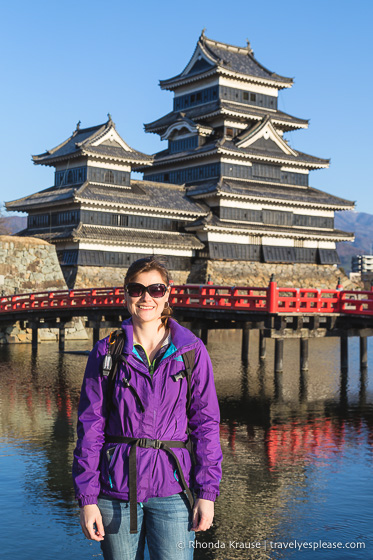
(146,442)
(179,375)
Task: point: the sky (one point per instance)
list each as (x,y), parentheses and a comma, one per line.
(64,62)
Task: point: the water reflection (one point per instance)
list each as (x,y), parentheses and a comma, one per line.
(291,444)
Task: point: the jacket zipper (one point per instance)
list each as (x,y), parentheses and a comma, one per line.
(151,365)
(177,353)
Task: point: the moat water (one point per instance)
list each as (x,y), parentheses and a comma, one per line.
(298,454)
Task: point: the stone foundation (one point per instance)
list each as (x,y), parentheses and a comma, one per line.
(100,276)
(232,273)
(15,334)
(28,265)
(239,273)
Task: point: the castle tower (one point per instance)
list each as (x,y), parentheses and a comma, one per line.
(226,143)
(100,219)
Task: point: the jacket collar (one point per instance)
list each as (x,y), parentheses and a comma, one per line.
(180,335)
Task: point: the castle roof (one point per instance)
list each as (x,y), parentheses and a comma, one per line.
(141,195)
(220,107)
(101,141)
(214,223)
(119,236)
(270,193)
(260,142)
(211,57)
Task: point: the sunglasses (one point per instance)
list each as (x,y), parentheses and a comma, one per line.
(154,290)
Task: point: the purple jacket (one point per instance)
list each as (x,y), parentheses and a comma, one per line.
(97,471)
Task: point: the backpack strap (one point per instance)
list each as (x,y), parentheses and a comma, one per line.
(189,360)
(110,364)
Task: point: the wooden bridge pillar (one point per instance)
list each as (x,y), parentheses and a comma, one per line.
(363,352)
(303,354)
(303,385)
(34,338)
(96,334)
(279,355)
(344,352)
(279,386)
(262,345)
(363,386)
(343,395)
(196,329)
(61,338)
(204,335)
(245,343)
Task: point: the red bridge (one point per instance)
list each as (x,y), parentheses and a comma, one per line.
(276,312)
(271,299)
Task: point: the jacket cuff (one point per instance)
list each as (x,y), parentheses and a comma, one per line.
(206,495)
(87,501)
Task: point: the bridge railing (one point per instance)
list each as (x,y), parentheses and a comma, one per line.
(356,303)
(219,297)
(271,299)
(57,299)
(307,300)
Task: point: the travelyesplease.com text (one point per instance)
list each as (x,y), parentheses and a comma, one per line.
(268,545)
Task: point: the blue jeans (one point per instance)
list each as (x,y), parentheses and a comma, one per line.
(164,522)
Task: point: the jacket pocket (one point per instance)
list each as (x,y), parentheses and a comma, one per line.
(114,467)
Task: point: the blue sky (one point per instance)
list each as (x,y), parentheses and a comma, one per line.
(68,61)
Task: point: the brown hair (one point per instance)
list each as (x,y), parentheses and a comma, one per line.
(145,265)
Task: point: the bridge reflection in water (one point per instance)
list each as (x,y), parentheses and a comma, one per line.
(297,451)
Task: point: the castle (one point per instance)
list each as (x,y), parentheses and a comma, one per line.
(228,198)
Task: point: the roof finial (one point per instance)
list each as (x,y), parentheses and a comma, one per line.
(249,47)
(78,125)
(203,33)
(109,117)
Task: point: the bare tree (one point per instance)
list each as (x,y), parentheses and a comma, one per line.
(4,224)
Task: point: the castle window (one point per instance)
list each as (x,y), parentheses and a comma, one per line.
(245,96)
(229,132)
(252,96)
(109,177)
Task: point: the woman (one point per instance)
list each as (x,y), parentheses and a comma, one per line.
(132,467)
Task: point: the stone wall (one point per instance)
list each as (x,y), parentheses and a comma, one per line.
(100,276)
(298,275)
(15,334)
(229,273)
(28,265)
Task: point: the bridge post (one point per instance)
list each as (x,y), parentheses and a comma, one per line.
(363,386)
(304,354)
(279,355)
(262,345)
(61,338)
(204,335)
(96,334)
(196,329)
(344,352)
(363,352)
(245,344)
(34,338)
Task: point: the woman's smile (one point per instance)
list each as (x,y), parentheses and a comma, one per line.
(144,307)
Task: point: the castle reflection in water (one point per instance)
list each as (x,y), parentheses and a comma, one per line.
(281,437)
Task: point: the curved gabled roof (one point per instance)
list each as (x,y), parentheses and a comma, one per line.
(237,111)
(211,56)
(102,141)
